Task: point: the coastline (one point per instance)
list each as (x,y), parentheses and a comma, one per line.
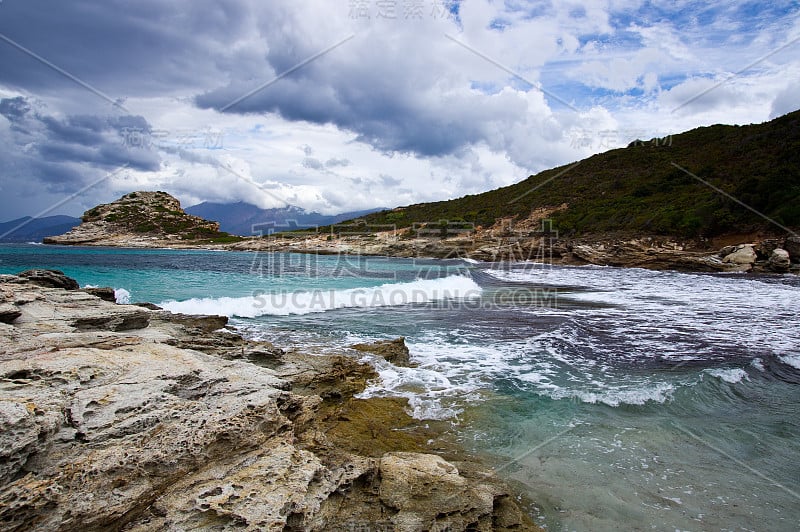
(124,417)
(750,253)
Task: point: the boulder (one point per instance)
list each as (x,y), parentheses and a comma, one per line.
(50,279)
(105,293)
(394,351)
(792,246)
(779,260)
(744,255)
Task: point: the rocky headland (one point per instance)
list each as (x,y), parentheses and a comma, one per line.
(142,219)
(124,417)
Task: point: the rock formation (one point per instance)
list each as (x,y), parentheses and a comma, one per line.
(116,417)
(141,219)
(394,351)
(779,260)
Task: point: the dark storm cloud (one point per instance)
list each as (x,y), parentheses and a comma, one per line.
(41,142)
(382,90)
(122,48)
(14,108)
(385,117)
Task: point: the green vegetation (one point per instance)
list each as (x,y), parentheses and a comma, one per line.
(157,213)
(639,188)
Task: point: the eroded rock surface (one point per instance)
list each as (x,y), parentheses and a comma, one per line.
(115,417)
(394,351)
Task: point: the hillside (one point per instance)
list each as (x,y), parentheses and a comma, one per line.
(244,219)
(638,190)
(139,219)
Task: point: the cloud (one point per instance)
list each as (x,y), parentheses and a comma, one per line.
(312,163)
(786,101)
(397,114)
(337,163)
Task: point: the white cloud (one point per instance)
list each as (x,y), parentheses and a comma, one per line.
(399,114)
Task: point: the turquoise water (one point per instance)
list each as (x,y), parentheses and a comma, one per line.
(616,399)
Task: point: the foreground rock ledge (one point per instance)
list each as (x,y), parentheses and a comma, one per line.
(114,417)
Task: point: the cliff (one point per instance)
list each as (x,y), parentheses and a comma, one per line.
(118,417)
(142,219)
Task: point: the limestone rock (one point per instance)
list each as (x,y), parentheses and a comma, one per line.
(429,494)
(743,256)
(139,219)
(9,313)
(394,351)
(108,427)
(50,279)
(104,293)
(779,260)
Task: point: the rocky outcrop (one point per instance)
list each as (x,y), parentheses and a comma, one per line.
(141,219)
(429,493)
(779,260)
(115,417)
(50,279)
(105,293)
(743,255)
(394,351)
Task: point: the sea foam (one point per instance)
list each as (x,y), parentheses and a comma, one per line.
(261,303)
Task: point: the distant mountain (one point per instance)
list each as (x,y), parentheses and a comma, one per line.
(245,219)
(27,229)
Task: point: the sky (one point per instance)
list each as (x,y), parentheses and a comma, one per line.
(341,105)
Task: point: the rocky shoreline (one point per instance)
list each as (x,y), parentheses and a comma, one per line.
(756,255)
(156,220)
(122,417)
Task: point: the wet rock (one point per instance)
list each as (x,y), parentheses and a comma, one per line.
(50,279)
(104,293)
(779,260)
(394,351)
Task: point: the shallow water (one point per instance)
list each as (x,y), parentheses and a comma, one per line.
(616,398)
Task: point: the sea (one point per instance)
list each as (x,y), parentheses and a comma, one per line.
(614,399)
